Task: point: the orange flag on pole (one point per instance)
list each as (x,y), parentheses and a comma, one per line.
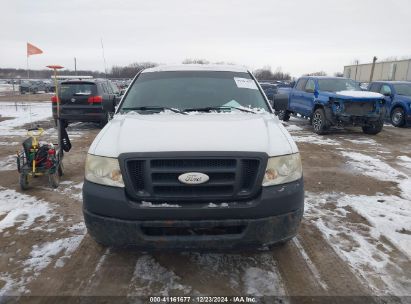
(33,50)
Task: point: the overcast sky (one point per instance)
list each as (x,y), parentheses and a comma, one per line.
(300,36)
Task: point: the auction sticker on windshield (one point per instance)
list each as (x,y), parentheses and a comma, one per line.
(245,83)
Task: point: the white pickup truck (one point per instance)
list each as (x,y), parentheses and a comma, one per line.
(193,158)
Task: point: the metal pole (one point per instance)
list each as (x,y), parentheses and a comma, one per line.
(60,151)
(372,68)
(75,66)
(356,68)
(28,71)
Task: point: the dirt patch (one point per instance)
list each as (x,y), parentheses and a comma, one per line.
(27,97)
(3,118)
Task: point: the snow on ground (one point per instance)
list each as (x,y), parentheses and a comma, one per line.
(42,255)
(70,188)
(362,141)
(8,163)
(257,274)
(376,168)
(28,213)
(291,128)
(21,114)
(22,210)
(6,87)
(404,161)
(150,278)
(314,139)
(362,245)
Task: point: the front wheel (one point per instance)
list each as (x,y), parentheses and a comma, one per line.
(283,115)
(54,179)
(373,128)
(319,122)
(398,117)
(24,181)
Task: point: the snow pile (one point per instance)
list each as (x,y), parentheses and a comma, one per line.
(22,113)
(22,210)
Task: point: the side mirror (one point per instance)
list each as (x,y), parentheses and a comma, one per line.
(387,94)
(108,105)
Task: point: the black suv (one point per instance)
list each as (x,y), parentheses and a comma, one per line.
(82,100)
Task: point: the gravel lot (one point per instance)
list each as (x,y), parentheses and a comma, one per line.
(355,238)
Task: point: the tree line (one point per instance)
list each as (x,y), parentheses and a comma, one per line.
(129,71)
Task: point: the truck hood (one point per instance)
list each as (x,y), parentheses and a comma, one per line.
(354,95)
(198,132)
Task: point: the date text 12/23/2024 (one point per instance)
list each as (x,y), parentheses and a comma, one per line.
(203,299)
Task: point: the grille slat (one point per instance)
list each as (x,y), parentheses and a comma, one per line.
(229,178)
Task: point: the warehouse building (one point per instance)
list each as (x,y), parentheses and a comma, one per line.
(387,70)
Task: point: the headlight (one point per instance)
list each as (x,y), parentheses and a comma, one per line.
(103,170)
(283,169)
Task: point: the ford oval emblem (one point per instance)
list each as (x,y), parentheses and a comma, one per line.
(193,178)
(73,100)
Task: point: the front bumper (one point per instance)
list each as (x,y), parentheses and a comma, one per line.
(79,113)
(113,220)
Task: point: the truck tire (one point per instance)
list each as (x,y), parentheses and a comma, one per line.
(319,122)
(373,128)
(54,179)
(24,181)
(283,115)
(398,117)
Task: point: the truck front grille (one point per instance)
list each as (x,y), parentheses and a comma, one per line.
(359,108)
(230,178)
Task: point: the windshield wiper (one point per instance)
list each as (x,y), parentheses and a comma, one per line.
(209,109)
(153,108)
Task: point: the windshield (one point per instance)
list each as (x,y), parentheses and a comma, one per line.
(403,89)
(336,85)
(193,89)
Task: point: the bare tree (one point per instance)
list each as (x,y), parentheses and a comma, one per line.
(265,73)
(195,61)
(320,73)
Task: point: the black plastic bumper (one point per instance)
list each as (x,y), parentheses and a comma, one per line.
(112,219)
(85,114)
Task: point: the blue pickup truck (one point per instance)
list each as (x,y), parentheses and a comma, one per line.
(397,96)
(331,101)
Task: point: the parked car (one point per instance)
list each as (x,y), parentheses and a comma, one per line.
(397,96)
(228,175)
(82,100)
(269,89)
(332,101)
(32,86)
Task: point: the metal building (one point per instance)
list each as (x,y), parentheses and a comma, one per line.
(386,70)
